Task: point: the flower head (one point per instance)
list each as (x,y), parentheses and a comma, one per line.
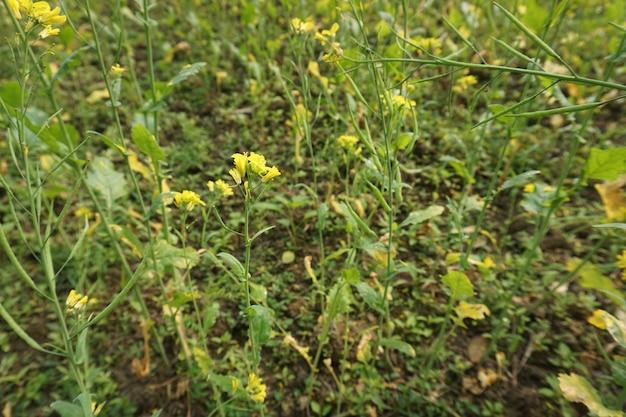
(241,161)
(300,27)
(256,163)
(75,301)
(117,70)
(14,5)
(621,260)
(40,13)
(272,173)
(187,199)
(220,187)
(256,389)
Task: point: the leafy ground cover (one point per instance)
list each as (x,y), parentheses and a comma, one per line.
(312,208)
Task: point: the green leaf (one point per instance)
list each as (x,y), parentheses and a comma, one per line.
(398,345)
(420,216)
(167,255)
(459,167)
(521,179)
(258,292)
(605,164)
(339,300)
(368,294)
(67,409)
(459,284)
(234,264)
(618,372)
(146,143)
(82,350)
(351,275)
(10,94)
(186,72)
(110,183)
(260,324)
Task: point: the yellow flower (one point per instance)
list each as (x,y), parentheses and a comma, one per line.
(48,31)
(256,389)
(49,17)
(75,301)
(221,187)
(327,36)
(272,173)
(240,160)
(621,260)
(117,70)
(299,27)
(529,188)
(256,162)
(463,83)
(347,141)
(14,5)
(187,198)
(235,174)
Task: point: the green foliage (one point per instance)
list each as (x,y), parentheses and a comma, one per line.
(425,241)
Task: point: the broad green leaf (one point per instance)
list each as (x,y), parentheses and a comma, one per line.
(459,284)
(225,383)
(234,263)
(258,292)
(67,409)
(146,143)
(339,300)
(521,179)
(167,255)
(110,183)
(605,164)
(351,275)
(10,94)
(420,216)
(398,345)
(260,324)
(368,294)
(575,388)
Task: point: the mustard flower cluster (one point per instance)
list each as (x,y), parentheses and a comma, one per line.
(256,389)
(299,26)
(38,13)
(463,83)
(327,36)
(348,143)
(187,200)
(219,188)
(247,164)
(75,301)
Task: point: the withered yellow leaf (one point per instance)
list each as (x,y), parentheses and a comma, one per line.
(612,196)
(575,388)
